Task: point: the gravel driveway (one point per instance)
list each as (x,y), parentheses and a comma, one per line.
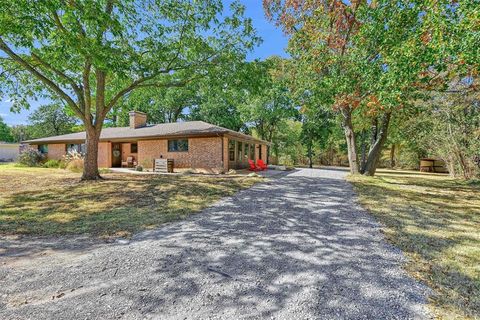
(296,247)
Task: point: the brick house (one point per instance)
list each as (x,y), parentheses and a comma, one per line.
(192,144)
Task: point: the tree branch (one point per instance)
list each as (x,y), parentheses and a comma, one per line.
(54,87)
(78,91)
(86,84)
(99,97)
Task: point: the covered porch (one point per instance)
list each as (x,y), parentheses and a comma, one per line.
(123,154)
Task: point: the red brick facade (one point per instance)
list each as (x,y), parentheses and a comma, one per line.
(56,151)
(203,153)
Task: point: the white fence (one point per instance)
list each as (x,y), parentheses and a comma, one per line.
(9,151)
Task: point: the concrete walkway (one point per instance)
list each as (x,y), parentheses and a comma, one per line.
(296,247)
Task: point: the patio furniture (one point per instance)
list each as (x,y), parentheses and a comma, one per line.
(253,167)
(129,163)
(261,164)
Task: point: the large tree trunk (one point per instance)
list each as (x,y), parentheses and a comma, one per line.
(376,148)
(350,137)
(363,157)
(90,165)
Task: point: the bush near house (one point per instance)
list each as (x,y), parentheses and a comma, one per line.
(30,157)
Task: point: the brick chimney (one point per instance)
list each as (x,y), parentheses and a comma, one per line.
(137,119)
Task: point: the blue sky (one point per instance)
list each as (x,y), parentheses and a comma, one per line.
(274,43)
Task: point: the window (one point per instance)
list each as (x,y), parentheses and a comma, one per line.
(260,151)
(245,151)
(231,150)
(239,151)
(133,148)
(43,148)
(252,152)
(178,145)
(80,148)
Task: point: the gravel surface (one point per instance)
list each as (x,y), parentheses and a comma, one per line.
(296,247)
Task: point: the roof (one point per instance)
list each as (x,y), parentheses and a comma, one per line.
(174,129)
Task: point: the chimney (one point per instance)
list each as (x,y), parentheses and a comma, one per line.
(137,119)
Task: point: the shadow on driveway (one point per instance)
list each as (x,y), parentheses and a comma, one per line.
(296,247)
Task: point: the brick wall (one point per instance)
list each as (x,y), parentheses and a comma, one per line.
(225,154)
(203,153)
(56,151)
(126,148)
(105,154)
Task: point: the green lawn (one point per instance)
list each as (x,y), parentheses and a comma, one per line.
(41,201)
(435,220)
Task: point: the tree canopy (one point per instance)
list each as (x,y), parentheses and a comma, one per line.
(92,54)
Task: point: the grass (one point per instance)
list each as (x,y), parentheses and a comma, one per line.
(435,220)
(50,202)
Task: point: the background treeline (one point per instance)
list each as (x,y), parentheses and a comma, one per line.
(257,99)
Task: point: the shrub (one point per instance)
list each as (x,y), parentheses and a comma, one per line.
(75,165)
(73,155)
(139,168)
(30,157)
(52,164)
(73,161)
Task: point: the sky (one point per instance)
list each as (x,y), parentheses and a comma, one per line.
(274,43)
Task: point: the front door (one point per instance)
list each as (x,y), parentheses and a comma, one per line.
(116,154)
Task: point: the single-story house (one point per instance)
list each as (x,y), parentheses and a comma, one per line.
(191,144)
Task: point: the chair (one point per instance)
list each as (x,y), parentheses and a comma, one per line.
(128,163)
(253,167)
(261,164)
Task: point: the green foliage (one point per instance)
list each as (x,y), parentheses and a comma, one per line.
(269,105)
(447,126)
(30,158)
(5,132)
(20,133)
(50,120)
(52,164)
(92,54)
(369,60)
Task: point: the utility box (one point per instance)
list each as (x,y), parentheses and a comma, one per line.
(163,165)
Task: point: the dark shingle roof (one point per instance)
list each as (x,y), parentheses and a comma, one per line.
(189,128)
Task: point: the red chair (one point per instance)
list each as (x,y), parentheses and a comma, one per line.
(253,167)
(261,164)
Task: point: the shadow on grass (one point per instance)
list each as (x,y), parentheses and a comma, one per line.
(295,247)
(437,222)
(118,205)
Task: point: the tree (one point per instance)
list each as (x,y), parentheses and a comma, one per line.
(315,130)
(5,132)
(50,120)
(269,104)
(160,104)
(360,58)
(21,133)
(92,54)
